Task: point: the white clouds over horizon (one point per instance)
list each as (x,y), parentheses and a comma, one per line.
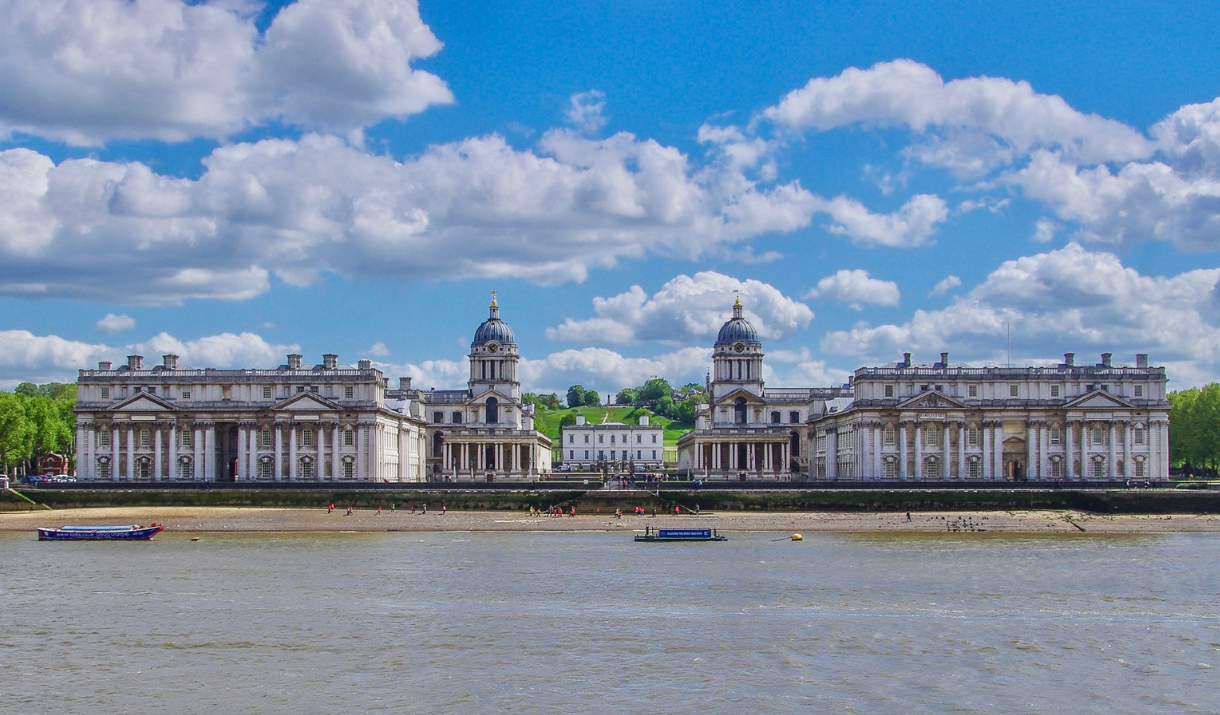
(856,287)
(112,323)
(88,71)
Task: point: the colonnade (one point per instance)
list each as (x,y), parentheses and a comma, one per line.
(511,457)
(767,457)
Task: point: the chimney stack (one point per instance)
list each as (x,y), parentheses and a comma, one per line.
(294,362)
(365,364)
(1069,359)
(944,360)
(169,362)
(105,365)
(906,359)
(329,361)
(1141,360)
(1105,359)
(404,383)
(135,362)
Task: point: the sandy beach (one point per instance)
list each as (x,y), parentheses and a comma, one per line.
(244,519)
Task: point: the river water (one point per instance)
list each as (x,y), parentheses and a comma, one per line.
(592,622)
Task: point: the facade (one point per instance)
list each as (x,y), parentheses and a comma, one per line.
(943,422)
(586,446)
(293,423)
(484,432)
(748,431)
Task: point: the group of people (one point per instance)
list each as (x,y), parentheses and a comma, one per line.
(553,511)
(394,507)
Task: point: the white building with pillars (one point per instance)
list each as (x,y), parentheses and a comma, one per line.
(485,432)
(293,423)
(944,422)
(747,430)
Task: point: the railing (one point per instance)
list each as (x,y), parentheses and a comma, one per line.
(1073,372)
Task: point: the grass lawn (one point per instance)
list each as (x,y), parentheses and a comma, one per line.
(547,421)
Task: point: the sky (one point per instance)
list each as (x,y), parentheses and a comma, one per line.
(232,181)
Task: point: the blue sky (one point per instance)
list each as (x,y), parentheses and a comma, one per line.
(234,180)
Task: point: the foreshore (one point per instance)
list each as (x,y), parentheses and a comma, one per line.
(281,520)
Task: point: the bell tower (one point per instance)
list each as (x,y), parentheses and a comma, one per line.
(493,357)
(737,357)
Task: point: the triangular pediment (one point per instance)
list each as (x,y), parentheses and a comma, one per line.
(932,400)
(493,392)
(306,402)
(1098,400)
(143,402)
(750,397)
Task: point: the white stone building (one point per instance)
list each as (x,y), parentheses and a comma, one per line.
(747,430)
(293,423)
(484,432)
(943,422)
(586,446)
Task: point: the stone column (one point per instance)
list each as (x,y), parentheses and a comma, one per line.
(1111,465)
(131,452)
(197,451)
(156,473)
(1044,445)
(902,450)
(832,453)
(279,452)
(919,435)
(358,471)
(114,452)
(962,472)
(1127,450)
(877,447)
(336,449)
(242,456)
(998,455)
(1031,435)
(1067,444)
(82,449)
(209,454)
(294,434)
(1084,449)
(252,459)
(946,454)
(173,451)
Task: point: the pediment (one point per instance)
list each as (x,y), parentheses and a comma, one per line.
(932,400)
(1098,400)
(143,402)
(306,402)
(500,397)
(750,397)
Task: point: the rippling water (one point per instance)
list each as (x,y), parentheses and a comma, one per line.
(572,622)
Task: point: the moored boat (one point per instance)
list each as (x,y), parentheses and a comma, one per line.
(127,532)
(679,535)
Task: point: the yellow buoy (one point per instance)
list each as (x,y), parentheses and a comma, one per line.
(797,537)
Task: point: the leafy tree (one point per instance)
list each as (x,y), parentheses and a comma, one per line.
(627,396)
(665,406)
(593,398)
(567,420)
(1194,426)
(654,389)
(16,431)
(576,396)
(26,389)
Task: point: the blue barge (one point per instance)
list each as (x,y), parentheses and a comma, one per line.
(663,535)
(130,532)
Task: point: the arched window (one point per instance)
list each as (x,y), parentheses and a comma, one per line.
(437,441)
(493,410)
(739,409)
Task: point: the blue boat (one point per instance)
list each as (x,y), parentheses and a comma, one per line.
(130,532)
(661,535)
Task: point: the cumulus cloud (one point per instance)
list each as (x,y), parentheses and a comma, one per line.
(856,287)
(970,124)
(909,226)
(685,309)
(474,208)
(378,350)
(1070,299)
(608,371)
(112,323)
(946,285)
(585,111)
(88,71)
(26,357)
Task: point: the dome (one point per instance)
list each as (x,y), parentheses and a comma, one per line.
(493,329)
(737,330)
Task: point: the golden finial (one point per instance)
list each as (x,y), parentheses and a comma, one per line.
(737,303)
(494,304)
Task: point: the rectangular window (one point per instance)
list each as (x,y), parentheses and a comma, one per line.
(586,454)
(186,394)
(1054,390)
(1099,435)
(349,470)
(186,438)
(438,417)
(972,436)
(601,454)
(1139,390)
(611,439)
(267,393)
(457,418)
(974,469)
(889,390)
(103,438)
(654,439)
(349,438)
(889,435)
(348,392)
(1013,390)
(151,390)
(300,389)
(1139,435)
(307,438)
(973,390)
(105,393)
(586,439)
(1139,468)
(890,469)
(929,437)
(601,438)
(264,469)
(639,438)
(145,438)
(654,455)
(571,438)
(266,438)
(637,454)
(1056,437)
(614,454)
(794,417)
(1056,469)
(571,454)
(1099,469)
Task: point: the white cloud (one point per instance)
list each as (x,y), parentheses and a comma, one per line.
(378,350)
(685,309)
(112,323)
(1067,300)
(971,124)
(585,111)
(909,226)
(946,285)
(608,371)
(475,208)
(88,71)
(226,350)
(1045,230)
(855,286)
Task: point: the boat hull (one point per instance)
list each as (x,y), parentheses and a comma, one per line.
(667,535)
(102,534)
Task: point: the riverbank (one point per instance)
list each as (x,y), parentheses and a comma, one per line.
(272,520)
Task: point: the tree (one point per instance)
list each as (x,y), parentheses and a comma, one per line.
(593,398)
(655,389)
(576,396)
(568,420)
(627,396)
(1194,426)
(16,431)
(665,406)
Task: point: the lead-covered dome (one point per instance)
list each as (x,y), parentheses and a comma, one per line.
(493,329)
(737,330)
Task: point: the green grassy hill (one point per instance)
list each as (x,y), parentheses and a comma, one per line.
(547,421)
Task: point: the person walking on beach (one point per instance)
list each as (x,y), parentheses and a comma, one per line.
(349,511)
(378,510)
(330,507)
(443,509)
(908,516)
(425,511)
(618,513)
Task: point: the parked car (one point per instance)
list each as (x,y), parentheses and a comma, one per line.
(35,479)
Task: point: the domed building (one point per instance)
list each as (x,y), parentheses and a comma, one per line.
(748,431)
(485,432)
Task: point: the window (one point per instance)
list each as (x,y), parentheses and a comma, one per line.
(103,438)
(794,417)
(972,436)
(973,390)
(349,470)
(889,435)
(601,454)
(1056,436)
(348,392)
(586,439)
(586,454)
(266,437)
(891,468)
(1013,390)
(306,469)
(931,469)
(349,438)
(889,390)
(267,393)
(300,389)
(654,439)
(1099,468)
(1099,435)
(1139,435)
(264,469)
(105,393)
(614,454)
(1056,469)
(186,394)
(307,438)
(637,454)
(438,417)
(1054,390)
(654,454)
(929,437)
(1139,390)
(639,438)
(457,418)
(186,438)
(775,418)
(1139,468)
(571,438)
(611,439)
(601,439)
(974,469)
(571,454)
(152,390)
(145,438)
